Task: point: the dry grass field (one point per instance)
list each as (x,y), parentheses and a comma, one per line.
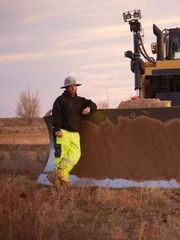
(31,211)
(23,149)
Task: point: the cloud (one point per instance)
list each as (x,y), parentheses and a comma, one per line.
(20,57)
(59,10)
(97,80)
(50,54)
(39,17)
(22,38)
(87,35)
(2,42)
(103,65)
(105,49)
(24,4)
(70,8)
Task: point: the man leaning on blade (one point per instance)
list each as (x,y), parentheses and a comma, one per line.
(67,113)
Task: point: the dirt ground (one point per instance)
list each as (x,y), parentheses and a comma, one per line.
(140,103)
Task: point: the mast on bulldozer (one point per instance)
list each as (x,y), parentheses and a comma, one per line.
(135,26)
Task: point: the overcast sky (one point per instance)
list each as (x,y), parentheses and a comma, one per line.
(44,41)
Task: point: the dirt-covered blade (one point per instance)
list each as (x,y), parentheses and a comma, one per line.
(126,147)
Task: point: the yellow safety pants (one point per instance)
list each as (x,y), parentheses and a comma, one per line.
(70,153)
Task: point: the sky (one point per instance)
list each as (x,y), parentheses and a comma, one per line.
(44,41)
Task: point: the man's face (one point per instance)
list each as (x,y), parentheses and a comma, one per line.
(72,90)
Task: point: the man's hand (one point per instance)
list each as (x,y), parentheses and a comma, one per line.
(86,110)
(59,134)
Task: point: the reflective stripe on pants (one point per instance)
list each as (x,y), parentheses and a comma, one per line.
(70,152)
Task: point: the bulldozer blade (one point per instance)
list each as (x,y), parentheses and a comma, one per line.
(125,148)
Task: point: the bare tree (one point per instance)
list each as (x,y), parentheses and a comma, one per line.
(28,106)
(102,104)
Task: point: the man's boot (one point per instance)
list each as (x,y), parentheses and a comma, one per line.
(55,177)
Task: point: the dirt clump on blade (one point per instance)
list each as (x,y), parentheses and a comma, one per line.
(142,148)
(144,103)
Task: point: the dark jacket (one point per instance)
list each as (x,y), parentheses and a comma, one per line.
(67,112)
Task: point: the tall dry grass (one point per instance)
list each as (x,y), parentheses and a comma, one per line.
(20,159)
(19,125)
(30,211)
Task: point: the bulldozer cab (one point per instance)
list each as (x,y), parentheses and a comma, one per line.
(173,44)
(162,77)
(171,41)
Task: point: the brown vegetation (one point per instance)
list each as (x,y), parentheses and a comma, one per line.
(102,104)
(23,148)
(28,106)
(31,211)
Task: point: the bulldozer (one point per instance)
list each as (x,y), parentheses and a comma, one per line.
(134,146)
(158,78)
